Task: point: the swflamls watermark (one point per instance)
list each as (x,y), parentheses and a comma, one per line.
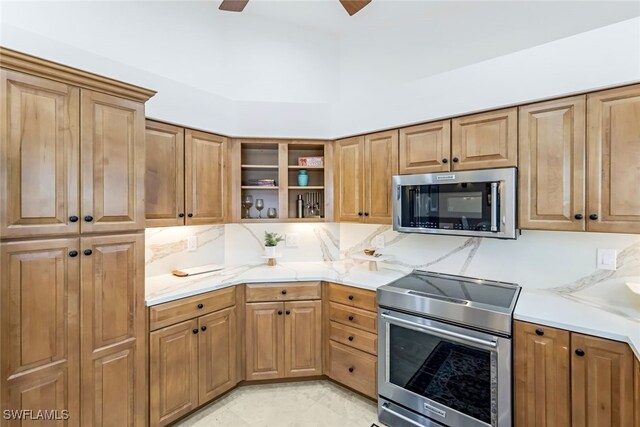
(37,415)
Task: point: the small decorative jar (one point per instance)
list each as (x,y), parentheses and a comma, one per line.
(303,178)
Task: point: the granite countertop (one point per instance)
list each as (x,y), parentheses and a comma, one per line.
(592,316)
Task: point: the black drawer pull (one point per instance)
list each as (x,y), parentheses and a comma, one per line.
(73,218)
(73,254)
(351,318)
(88,218)
(456,160)
(351,369)
(88,251)
(181,215)
(445,160)
(203,328)
(593,217)
(287,312)
(284,292)
(579,352)
(579,216)
(195,331)
(190,215)
(200,306)
(280,312)
(366,214)
(539,332)
(359,213)
(351,297)
(350,338)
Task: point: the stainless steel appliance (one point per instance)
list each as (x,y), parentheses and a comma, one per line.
(444,351)
(470,203)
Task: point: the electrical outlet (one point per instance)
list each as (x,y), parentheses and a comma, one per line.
(192,243)
(378,242)
(606,259)
(292,240)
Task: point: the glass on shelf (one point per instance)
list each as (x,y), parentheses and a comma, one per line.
(272,213)
(247,202)
(259,207)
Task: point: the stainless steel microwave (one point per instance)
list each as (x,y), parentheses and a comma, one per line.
(470,203)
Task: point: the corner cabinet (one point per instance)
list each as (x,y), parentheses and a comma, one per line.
(569,379)
(363,171)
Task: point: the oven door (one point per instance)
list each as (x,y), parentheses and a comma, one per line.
(452,375)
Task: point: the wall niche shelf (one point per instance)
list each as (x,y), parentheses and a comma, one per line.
(276,161)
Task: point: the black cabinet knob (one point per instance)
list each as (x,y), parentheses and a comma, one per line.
(593,217)
(181,214)
(351,318)
(200,305)
(88,251)
(455,160)
(351,369)
(88,218)
(190,215)
(203,328)
(359,213)
(539,332)
(351,297)
(73,254)
(287,312)
(445,160)
(579,352)
(284,292)
(280,312)
(73,218)
(366,214)
(578,216)
(195,331)
(350,338)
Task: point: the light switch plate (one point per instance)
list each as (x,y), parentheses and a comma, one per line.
(192,243)
(378,242)
(606,259)
(292,240)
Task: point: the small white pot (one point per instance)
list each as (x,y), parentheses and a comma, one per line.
(270,251)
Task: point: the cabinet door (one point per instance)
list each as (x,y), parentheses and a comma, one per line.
(601,382)
(164,176)
(551,165)
(217,348)
(205,186)
(542,376)
(425,148)
(349,179)
(113,345)
(39,305)
(381,164)
(173,372)
(485,140)
(303,338)
(39,149)
(264,340)
(112,163)
(613,153)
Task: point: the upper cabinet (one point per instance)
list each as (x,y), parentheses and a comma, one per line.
(613,153)
(363,171)
(425,148)
(205,184)
(551,165)
(39,162)
(112,163)
(485,140)
(164,177)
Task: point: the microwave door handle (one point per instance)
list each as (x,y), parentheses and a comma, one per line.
(494,206)
(440,332)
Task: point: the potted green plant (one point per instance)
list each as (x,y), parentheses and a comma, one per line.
(271,240)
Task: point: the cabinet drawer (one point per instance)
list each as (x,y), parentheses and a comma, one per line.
(188,308)
(352,316)
(353,368)
(354,297)
(356,338)
(262,292)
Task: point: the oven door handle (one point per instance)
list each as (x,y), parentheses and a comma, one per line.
(441,332)
(385,407)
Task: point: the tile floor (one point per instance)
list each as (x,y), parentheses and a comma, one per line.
(300,404)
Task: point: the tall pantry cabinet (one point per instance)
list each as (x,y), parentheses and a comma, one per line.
(72,332)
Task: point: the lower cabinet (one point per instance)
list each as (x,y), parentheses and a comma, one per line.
(192,362)
(569,379)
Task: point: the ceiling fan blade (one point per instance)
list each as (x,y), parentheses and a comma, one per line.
(233,5)
(354,6)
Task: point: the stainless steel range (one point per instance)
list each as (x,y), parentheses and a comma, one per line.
(444,351)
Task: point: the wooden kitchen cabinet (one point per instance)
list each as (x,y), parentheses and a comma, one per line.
(164,176)
(264,340)
(113,334)
(173,372)
(39,151)
(485,140)
(205,184)
(551,165)
(425,148)
(542,377)
(601,382)
(39,362)
(613,153)
(112,163)
(363,172)
(302,338)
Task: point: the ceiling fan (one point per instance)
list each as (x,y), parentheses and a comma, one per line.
(351,6)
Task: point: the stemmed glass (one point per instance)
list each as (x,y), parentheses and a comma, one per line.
(259,207)
(247,202)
